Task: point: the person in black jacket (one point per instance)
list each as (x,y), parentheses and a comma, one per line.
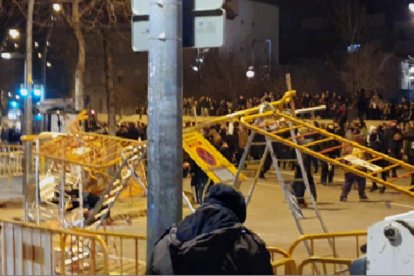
(212,241)
(376,141)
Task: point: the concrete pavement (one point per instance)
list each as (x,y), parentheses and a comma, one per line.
(268,214)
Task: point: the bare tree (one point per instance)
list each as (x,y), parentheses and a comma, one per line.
(351,21)
(365,64)
(368,68)
(108,15)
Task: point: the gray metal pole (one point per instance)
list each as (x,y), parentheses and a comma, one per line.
(164,204)
(28,184)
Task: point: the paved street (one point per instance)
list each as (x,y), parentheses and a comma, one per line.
(268,214)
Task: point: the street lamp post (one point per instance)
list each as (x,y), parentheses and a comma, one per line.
(28,186)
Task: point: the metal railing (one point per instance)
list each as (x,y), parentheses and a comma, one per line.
(345,248)
(126,252)
(11,157)
(27,249)
(282,262)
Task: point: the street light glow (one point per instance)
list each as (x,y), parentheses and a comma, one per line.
(250,72)
(195,68)
(411,7)
(14,33)
(6,55)
(57,7)
(48,64)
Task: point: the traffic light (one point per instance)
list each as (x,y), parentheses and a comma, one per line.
(37,90)
(38,117)
(23,91)
(14,104)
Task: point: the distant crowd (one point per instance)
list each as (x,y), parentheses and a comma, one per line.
(368,107)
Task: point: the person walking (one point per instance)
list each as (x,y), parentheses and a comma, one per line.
(350,178)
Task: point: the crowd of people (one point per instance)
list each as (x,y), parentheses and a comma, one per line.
(370,107)
(392,138)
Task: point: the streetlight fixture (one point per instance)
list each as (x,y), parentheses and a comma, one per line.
(250,73)
(6,55)
(411,7)
(14,33)
(57,7)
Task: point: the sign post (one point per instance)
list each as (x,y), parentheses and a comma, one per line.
(203,24)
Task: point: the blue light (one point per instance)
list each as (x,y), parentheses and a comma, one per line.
(38,117)
(37,92)
(24,92)
(13,104)
(353,48)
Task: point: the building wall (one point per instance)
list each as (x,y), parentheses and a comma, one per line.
(130,69)
(252,23)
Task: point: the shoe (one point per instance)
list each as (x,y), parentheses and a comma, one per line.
(343,198)
(382,190)
(373,189)
(363,197)
(302,203)
(262,176)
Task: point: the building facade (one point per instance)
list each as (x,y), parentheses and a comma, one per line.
(249,28)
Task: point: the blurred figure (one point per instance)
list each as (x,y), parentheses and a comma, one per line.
(212,241)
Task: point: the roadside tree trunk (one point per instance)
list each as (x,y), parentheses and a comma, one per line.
(110,91)
(80,65)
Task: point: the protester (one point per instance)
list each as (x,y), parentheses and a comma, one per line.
(212,241)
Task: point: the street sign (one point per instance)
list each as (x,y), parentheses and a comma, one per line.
(203,24)
(141,7)
(140,33)
(209,30)
(209,159)
(206,5)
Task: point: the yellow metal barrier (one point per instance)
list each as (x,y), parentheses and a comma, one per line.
(27,249)
(325,262)
(127,252)
(11,164)
(326,259)
(36,250)
(283,260)
(280,127)
(11,160)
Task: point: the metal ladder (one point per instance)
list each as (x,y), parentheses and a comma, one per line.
(290,198)
(131,157)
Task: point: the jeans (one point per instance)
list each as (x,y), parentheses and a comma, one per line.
(299,185)
(350,178)
(326,173)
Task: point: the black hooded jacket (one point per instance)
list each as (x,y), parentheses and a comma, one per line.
(212,241)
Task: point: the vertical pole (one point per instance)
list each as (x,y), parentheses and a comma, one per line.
(164,203)
(269,55)
(28,186)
